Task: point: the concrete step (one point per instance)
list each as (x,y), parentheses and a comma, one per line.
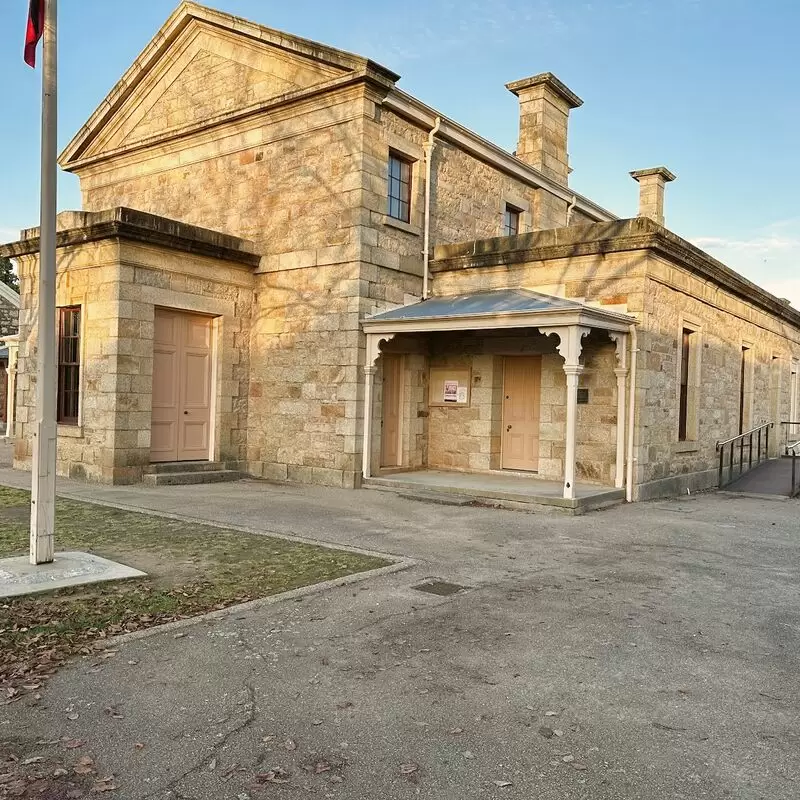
(188,478)
(165,467)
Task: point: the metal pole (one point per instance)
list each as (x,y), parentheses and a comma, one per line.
(750,453)
(721,464)
(43,490)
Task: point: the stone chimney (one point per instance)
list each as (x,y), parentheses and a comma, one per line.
(544,106)
(651,191)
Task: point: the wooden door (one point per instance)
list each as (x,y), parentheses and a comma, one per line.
(521,396)
(181,419)
(391,450)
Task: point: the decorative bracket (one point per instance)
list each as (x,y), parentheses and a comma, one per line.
(621,341)
(374,347)
(570,342)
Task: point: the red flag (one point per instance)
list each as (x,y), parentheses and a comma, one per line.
(34,31)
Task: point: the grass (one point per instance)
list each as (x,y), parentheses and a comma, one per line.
(191,568)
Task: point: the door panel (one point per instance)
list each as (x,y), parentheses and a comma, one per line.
(180,428)
(391,453)
(521,397)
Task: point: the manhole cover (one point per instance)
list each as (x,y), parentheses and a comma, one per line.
(441,588)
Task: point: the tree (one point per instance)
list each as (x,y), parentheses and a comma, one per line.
(7,274)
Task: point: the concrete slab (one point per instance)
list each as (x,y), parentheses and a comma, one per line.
(18,576)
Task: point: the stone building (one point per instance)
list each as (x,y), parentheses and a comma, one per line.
(288,267)
(9,325)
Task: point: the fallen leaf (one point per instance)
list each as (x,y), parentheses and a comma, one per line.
(273,776)
(74,744)
(179,636)
(85,766)
(59,772)
(212,765)
(34,760)
(546,731)
(139,745)
(321,766)
(456,731)
(550,713)
(344,705)
(468,754)
(290,744)
(558,732)
(579,766)
(408,769)
(502,784)
(336,779)
(104,785)
(318,722)
(568,759)
(72,716)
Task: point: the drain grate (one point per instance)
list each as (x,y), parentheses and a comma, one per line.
(440,587)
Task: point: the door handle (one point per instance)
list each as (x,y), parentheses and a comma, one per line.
(185,412)
(508,427)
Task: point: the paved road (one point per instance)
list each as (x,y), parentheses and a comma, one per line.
(661,638)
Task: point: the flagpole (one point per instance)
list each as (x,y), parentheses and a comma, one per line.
(43,490)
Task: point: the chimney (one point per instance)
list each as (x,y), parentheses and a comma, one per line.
(651,191)
(544,106)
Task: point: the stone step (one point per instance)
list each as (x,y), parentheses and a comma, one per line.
(188,478)
(165,467)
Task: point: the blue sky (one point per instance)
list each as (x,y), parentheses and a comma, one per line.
(708,88)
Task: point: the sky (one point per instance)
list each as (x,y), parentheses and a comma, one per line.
(708,88)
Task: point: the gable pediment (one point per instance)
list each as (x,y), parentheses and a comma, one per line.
(202,67)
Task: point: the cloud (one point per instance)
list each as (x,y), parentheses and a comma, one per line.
(770,257)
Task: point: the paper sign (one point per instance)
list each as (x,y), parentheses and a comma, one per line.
(451,391)
(462,394)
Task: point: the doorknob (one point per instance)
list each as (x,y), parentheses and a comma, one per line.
(185,412)
(508,427)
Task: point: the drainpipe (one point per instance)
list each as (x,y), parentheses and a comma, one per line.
(427,235)
(631,417)
(571,208)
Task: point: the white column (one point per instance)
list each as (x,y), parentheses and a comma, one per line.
(366,455)
(43,490)
(619,472)
(573,373)
(13,355)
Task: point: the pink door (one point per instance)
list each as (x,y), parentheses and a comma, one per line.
(521,395)
(181,422)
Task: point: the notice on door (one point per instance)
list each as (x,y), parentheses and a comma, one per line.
(450,392)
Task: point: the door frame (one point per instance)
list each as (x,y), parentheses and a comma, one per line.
(400,360)
(503,409)
(214,351)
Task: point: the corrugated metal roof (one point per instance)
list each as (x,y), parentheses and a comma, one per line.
(478,304)
(3,352)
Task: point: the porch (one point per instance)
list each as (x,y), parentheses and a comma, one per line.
(506,489)
(505,394)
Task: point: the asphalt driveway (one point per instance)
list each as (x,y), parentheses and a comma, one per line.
(647,651)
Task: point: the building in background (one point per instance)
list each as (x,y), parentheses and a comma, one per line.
(288,267)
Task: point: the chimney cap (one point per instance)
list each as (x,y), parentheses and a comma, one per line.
(552,83)
(663,172)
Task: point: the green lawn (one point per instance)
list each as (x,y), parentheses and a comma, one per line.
(191,569)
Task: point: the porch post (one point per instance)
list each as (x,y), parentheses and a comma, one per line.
(621,371)
(573,373)
(11,393)
(569,346)
(369,372)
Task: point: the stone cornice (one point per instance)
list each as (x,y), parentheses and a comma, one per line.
(551,82)
(136,226)
(639,234)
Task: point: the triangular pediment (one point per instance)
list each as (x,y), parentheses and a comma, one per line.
(203,67)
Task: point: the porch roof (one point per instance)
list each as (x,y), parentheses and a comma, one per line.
(497,308)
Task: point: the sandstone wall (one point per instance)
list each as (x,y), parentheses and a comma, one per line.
(676,298)
(9,317)
(118,285)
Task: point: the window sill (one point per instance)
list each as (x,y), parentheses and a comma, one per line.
(687,447)
(70,431)
(402,226)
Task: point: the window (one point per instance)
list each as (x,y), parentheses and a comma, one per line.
(746,389)
(511,221)
(399,188)
(69,364)
(688,383)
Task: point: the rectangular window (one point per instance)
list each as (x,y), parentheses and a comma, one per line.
(745,389)
(69,364)
(683,401)
(399,188)
(511,221)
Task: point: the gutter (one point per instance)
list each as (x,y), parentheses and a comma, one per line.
(426,256)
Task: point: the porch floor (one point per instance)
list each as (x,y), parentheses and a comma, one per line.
(510,489)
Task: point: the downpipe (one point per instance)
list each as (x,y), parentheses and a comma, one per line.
(429,145)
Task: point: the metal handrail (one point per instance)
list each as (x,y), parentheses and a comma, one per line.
(747,433)
(789,432)
(740,441)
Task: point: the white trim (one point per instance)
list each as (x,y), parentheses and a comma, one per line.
(7,293)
